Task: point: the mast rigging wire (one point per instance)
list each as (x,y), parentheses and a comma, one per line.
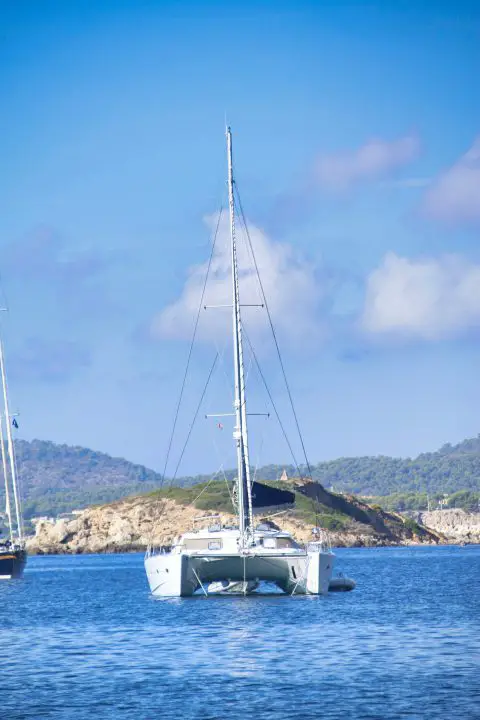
(194,419)
(194,335)
(284,432)
(292,405)
(160,510)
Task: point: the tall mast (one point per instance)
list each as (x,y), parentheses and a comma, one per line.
(240,434)
(8,509)
(11,451)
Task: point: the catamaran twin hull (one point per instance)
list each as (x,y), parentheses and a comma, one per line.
(182,574)
(12,564)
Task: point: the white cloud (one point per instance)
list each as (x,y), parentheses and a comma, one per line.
(427,298)
(374,160)
(410,182)
(455,195)
(289,282)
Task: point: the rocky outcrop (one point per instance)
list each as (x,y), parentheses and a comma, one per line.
(126,525)
(134,523)
(455,524)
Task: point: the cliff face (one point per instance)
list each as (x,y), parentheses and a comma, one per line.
(457,525)
(127,525)
(134,523)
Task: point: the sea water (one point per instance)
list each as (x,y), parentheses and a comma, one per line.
(80,637)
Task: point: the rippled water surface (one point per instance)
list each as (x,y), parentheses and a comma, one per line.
(80,637)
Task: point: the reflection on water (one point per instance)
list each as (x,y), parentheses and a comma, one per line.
(80,637)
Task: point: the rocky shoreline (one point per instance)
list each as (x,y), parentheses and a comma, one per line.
(132,524)
(455,524)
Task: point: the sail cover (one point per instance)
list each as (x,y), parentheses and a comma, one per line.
(265,496)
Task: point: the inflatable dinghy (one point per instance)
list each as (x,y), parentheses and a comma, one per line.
(341,584)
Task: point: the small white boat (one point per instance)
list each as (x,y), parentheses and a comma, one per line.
(237,559)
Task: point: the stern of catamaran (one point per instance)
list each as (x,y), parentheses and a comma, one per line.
(201,559)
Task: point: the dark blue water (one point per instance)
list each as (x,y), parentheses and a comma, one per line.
(81,638)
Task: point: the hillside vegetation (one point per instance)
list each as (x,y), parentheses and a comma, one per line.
(156,518)
(58,478)
(446,471)
(216,497)
(452,468)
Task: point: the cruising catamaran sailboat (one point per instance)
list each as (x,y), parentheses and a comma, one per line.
(238,559)
(13,555)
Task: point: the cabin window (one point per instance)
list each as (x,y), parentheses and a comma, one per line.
(284,542)
(215,545)
(294,573)
(269,543)
(200,543)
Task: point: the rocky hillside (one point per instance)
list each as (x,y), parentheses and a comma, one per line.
(133,523)
(59,478)
(456,525)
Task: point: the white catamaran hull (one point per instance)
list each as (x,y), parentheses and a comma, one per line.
(181,575)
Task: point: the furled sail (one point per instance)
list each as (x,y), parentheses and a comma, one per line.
(265,496)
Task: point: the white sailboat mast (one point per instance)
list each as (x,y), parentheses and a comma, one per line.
(11,451)
(8,509)
(240,434)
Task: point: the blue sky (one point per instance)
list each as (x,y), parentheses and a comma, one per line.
(354,134)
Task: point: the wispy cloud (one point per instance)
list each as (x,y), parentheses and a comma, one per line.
(455,195)
(429,298)
(48,360)
(374,160)
(43,253)
(289,281)
(76,280)
(67,296)
(409,182)
(338,174)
